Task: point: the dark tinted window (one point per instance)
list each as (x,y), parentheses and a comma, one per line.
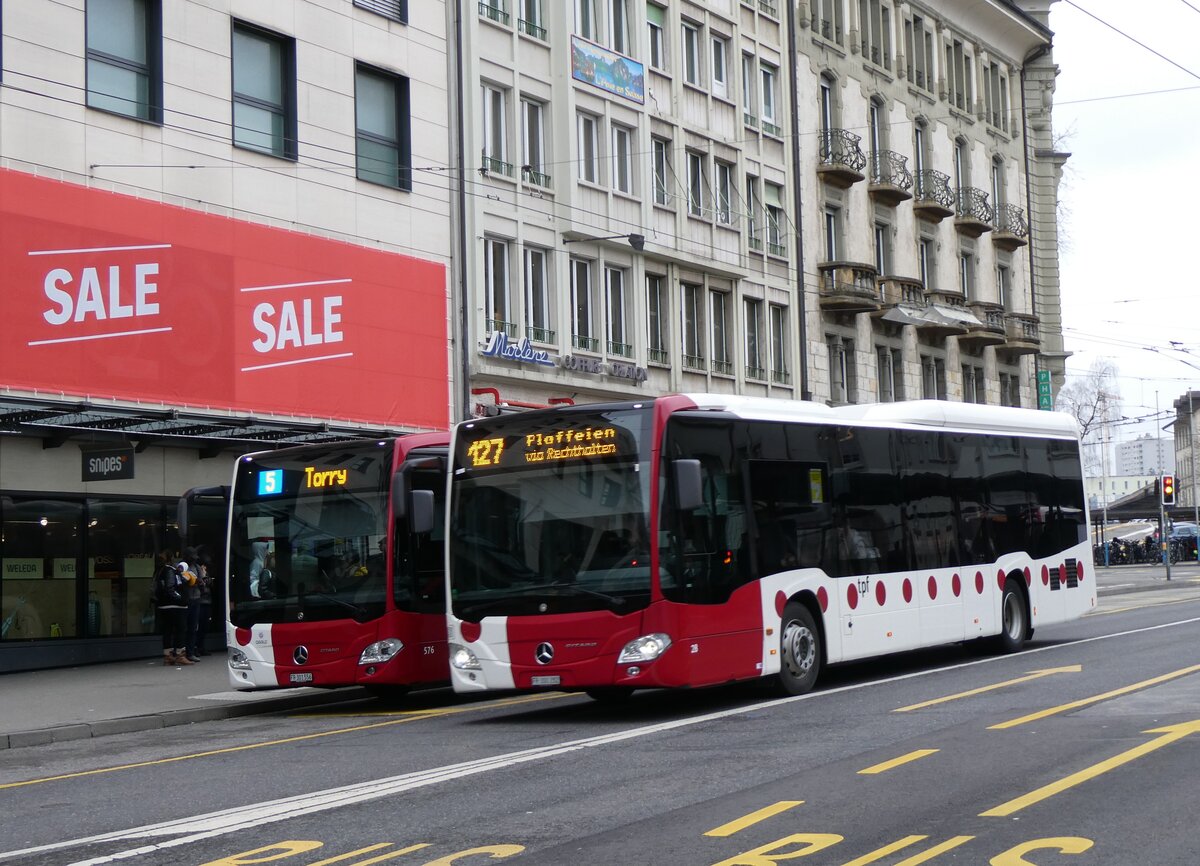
(868,501)
(928,462)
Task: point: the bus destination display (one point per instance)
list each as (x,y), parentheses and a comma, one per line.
(549,446)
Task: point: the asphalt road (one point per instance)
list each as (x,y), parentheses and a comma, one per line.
(1085,749)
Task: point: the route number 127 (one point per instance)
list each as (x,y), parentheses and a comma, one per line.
(485,452)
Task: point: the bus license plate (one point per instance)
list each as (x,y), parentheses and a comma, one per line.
(545,681)
(300,678)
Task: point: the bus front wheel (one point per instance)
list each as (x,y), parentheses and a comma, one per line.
(1014,619)
(800,651)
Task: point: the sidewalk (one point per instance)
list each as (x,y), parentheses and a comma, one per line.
(39,707)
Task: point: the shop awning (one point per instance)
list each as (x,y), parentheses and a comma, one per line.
(58,421)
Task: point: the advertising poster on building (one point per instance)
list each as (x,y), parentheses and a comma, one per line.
(107,295)
(611,72)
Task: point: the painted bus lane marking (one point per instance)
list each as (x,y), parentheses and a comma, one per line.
(1084,702)
(1170,734)
(280,851)
(797,846)
(897,762)
(1032,675)
(745,821)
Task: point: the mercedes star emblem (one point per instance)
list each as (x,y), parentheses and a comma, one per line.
(300,656)
(544,653)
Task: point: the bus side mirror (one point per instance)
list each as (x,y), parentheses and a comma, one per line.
(689,484)
(421,514)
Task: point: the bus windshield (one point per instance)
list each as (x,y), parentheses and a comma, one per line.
(308,533)
(549,513)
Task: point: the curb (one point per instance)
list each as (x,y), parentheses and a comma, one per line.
(171,718)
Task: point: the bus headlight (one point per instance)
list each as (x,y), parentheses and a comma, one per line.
(646,648)
(238,660)
(380,651)
(462,658)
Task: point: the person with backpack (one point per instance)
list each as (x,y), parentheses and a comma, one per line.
(170,595)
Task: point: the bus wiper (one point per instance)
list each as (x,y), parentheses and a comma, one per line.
(576,589)
(358,613)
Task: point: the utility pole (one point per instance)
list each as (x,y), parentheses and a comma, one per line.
(1164,542)
(1104,473)
(1192,455)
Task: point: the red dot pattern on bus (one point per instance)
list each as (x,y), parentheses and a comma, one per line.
(880,593)
(907,590)
(1079,571)
(1062,573)
(852,596)
(932,587)
(823,599)
(979,583)
(1045,576)
(471,631)
(780,602)
(956,586)
(1000,579)
(242,635)
(1028,577)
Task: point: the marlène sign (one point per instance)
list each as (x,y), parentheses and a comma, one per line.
(498,346)
(108,464)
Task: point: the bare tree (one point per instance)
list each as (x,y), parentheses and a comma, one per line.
(1092,399)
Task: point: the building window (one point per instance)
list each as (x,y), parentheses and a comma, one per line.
(495,281)
(779,344)
(720,67)
(753,232)
(958,75)
(495,10)
(622,158)
(588,156)
(962,164)
(998,196)
(926,262)
(495,130)
(933,378)
(875,21)
(1010,389)
(657,316)
(883,249)
(381,118)
(828,20)
(397,10)
(619,19)
(770,75)
(691,53)
(661,150)
(586,23)
(966,275)
(697,184)
(749,91)
(693,326)
(1004,286)
(656,17)
(833,234)
(721,361)
(537,297)
(891,374)
(533,142)
(618,337)
(723,192)
(582,334)
(974,388)
(124,57)
(530,21)
(918,47)
(920,139)
(755,368)
(773,197)
(264,91)
(841,369)
(995,95)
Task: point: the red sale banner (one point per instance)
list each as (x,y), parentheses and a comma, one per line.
(107,295)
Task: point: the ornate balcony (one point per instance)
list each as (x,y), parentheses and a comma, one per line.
(1024,334)
(891,182)
(947,314)
(991,329)
(849,287)
(894,291)
(842,160)
(973,214)
(826,29)
(933,199)
(1011,229)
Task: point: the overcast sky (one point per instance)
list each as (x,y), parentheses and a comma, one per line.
(1131,195)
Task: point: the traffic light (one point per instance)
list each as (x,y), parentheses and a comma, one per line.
(1168,490)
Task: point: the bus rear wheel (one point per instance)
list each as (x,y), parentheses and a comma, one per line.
(1014,619)
(800,651)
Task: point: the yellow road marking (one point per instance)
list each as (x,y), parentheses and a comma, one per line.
(1170,734)
(417,716)
(1141,606)
(1033,675)
(1074,705)
(754,817)
(878,854)
(935,851)
(897,762)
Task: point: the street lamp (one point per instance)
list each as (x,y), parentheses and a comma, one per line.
(638,242)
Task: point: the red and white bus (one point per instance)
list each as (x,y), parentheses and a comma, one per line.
(692,540)
(335,565)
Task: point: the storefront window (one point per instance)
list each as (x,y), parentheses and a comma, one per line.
(125,538)
(39,555)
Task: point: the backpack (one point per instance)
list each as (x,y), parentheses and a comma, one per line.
(167,589)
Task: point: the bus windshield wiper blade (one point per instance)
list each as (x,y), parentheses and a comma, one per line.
(359,614)
(576,589)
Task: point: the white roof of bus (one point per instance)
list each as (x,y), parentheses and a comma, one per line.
(911,413)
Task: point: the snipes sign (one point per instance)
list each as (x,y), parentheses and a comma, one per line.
(110,295)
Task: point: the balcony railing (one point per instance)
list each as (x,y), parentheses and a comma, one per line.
(694,362)
(491,165)
(753,372)
(586,343)
(932,196)
(973,215)
(1011,230)
(841,157)
(891,181)
(902,290)
(658,356)
(848,286)
(991,328)
(781,377)
(493,12)
(537,178)
(1024,334)
(755,243)
(531,29)
(749,119)
(769,7)
(770,128)
(880,57)
(827,29)
(723,368)
(624,350)
(539,335)
(779,250)
(509,328)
